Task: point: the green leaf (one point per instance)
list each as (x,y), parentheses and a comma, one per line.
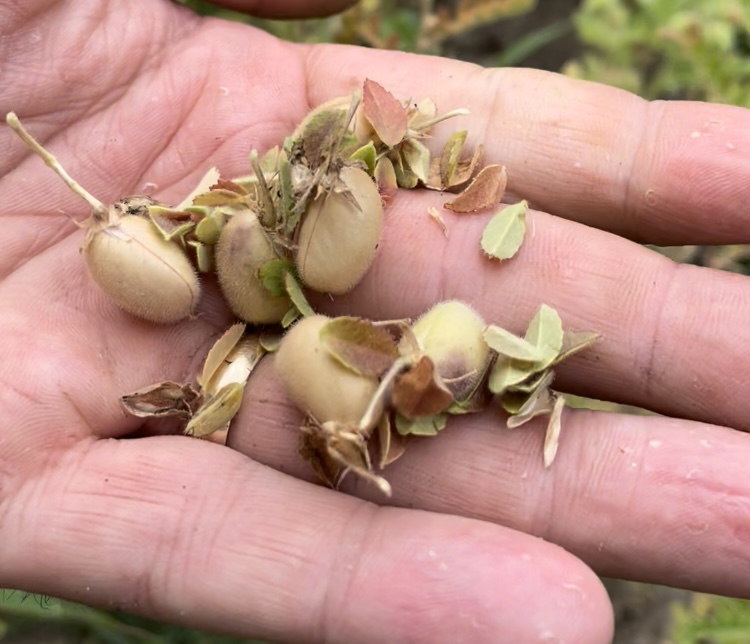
(209,228)
(450,156)
(508,344)
(504,233)
(540,401)
(416,157)
(368,155)
(546,333)
(204,185)
(360,345)
(291,215)
(294,290)
(273,275)
(507,372)
(290,317)
(217,412)
(424,426)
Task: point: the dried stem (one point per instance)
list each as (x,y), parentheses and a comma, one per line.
(100,210)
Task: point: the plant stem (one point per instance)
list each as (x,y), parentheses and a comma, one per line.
(50,160)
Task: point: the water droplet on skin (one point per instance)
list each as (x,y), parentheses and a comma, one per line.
(691,474)
(706,443)
(695,134)
(654,443)
(578,165)
(697,528)
(730,146)
(526,556)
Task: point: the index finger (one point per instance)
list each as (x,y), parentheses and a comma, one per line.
(664,173)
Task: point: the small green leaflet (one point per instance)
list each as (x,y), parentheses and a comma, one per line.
(273,275)
(545,332)
(504,233)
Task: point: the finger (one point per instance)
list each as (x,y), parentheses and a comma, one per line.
(664,173)
(288,8)
(645,498)
(193,533)
(674,338)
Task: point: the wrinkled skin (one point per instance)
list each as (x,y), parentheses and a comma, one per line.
(193,532)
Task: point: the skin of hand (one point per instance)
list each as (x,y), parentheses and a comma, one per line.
(135,97)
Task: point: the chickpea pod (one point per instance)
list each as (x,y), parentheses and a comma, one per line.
(243,249)
(339,234)
(143,273)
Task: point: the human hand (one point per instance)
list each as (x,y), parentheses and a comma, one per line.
(192,532)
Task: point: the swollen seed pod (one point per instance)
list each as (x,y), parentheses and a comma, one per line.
(316,382)
(451,334)
(243,249)
(339,234)
(143,273)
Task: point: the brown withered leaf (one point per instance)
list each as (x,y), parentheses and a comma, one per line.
(162,399)
(451,154)
(386,115)
(418,392)
(485,191)
(312,447)
(385,177)
(438,219)
(460,175)
(360,345)
(552,435)
(392,445)
(465,167)
(416,157)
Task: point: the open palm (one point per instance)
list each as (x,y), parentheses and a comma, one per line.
(144,97)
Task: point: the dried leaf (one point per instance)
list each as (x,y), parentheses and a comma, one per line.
(386,115)
(438,219)
(350,450)
(359,345)
(425,426)
(163,399)
(312,448)
(504,233)
(405,178)
(552,435)
(465,168)
(217,412)
(419,392)
(219,352)
(219,197)
(509,344)
(448,161)
(540,401)
(290,215)
(385,177)
(392,444)
(204,185)
(273,275)
(416,157)
(486,190)
(575,342)
(238,365)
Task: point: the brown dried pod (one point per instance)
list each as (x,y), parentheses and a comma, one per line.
(243,249)
(317,383)
(339,234)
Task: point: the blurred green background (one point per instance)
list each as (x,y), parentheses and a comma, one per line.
(674,49)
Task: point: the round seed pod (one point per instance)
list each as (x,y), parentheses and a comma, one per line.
(140,271)
(316,382)
(242,250)
(339,234)
(451,334)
